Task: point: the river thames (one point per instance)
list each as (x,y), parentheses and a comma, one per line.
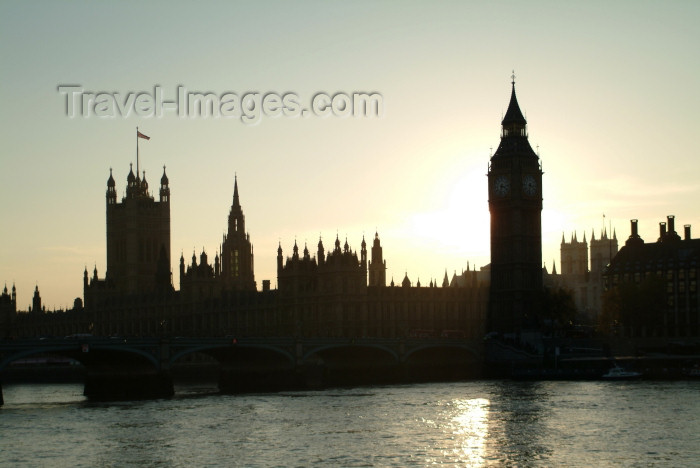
(474,423)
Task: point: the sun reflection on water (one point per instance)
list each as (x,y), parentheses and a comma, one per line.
(469,427)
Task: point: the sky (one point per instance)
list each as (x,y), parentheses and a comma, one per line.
(609,89)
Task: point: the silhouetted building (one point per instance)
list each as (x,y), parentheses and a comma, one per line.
(515,204)
(321,292)
(138,236)
(377,266)
(138,243)
(231,271)
(36,301)
(339,293)
(574,256)
(603,250)
(656,284)
(236,250)
(8,311)
(329,295)
(36,320)
(200,280)
(586,285)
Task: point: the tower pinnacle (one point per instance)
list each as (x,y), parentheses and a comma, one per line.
(513,114)
(236,201)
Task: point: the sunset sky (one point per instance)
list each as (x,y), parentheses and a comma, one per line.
(610,91)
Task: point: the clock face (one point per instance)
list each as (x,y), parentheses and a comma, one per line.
(501,186)
(529,185)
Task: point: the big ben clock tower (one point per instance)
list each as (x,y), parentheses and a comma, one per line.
(515,204)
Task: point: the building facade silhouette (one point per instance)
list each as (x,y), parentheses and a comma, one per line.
(329,295)
(652,288)
(336,293)
(339,292)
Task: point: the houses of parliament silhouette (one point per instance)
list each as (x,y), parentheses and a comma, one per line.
(334,292)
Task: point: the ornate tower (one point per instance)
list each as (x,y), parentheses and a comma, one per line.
(515,204)
(164,188)
(602,251)
(36,300)
(574,256)
(321,252)
(138,236)
(237,251)
(8,312)
(377,266)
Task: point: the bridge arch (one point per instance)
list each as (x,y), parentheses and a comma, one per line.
(11,357)
(318,350)
(71,351)
(475,354)
(182,352)
(441,361)
(352,364)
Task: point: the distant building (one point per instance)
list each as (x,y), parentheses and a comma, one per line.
(602,252)
(8,311)
(585,284)
(574,256)
(664,277)
(36,320)
(36,302)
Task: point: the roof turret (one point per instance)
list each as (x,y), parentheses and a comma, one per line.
(164,179)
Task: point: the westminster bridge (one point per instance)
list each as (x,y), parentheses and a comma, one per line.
(131,368)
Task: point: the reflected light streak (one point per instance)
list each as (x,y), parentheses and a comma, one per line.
(470,429)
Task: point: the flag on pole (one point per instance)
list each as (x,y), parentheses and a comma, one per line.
(145,137)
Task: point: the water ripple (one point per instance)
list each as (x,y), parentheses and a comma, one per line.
(494,423)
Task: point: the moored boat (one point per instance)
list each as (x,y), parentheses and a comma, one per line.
(618,373)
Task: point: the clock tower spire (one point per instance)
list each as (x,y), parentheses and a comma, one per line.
(515,204)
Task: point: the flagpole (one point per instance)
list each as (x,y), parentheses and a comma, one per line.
(137,152)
